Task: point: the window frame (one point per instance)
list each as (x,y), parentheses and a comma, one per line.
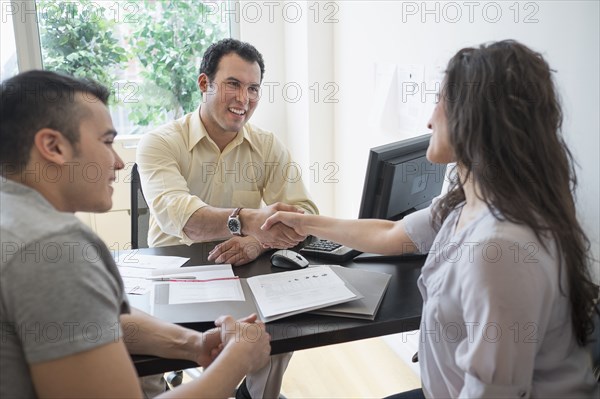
(27,35)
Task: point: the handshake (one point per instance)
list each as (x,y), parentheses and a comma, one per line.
(274,226)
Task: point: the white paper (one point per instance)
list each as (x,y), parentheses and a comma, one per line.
(383,109)
(205,272)
(132,272)
(202,290)
(142,261)
(410,88)
(137,286)
(209,291)
(308,288)
(134,267)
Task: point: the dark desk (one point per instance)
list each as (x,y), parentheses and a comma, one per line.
(400,310)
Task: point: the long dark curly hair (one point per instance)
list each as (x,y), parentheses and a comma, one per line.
(504,123)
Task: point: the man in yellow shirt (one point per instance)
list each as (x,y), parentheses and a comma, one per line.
(196,171)
(206,175)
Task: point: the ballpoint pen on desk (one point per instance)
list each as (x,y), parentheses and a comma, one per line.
(192,279)
(180,280)
(169,278)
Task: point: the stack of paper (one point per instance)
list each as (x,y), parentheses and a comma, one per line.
(369,283)
(211,283)
(136,269)
(284,294)
(203,293)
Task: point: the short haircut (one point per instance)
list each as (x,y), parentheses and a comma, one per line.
(216,51)
(35,100)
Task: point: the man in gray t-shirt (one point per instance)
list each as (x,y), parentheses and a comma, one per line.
(61,298)
(54,270)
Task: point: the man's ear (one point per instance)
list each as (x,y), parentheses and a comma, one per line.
(203,82)
(53,146)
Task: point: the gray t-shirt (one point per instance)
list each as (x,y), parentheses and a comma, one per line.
(61,293)
(495,323)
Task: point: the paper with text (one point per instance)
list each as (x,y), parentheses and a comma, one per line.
(213,284)
(142,261)
(134,266)
(137,286)
(296,290)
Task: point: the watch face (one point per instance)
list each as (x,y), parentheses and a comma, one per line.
(233,225)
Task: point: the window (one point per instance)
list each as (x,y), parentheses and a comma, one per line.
(8,55)
(147,52)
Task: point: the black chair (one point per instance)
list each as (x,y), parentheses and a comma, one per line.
(594,344)
(140,213)
(140,222)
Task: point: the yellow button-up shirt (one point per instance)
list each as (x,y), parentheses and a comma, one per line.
(182,170)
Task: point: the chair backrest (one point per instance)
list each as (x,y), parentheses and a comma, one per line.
(140,213)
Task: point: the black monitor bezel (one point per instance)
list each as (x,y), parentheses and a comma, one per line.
(378,156)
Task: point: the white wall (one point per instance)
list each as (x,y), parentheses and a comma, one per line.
(299,62)
(369,33)
(567,33)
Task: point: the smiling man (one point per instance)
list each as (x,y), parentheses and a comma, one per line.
(206,175)
(62,300)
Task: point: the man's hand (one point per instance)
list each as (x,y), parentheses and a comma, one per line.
(208,347)
(237,251)
(292,220)
(279,236)
(248,338)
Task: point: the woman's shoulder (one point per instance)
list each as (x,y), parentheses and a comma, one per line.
(505,246)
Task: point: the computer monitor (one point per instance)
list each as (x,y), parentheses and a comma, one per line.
(400,180)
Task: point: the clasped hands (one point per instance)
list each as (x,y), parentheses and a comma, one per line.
(241,250)
(247,340)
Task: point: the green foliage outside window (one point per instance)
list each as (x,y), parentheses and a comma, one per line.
(167,37)
(170,48)
(77,40)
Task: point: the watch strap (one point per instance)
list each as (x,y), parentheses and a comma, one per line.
(236,215)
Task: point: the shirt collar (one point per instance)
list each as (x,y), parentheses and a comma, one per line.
(197,132)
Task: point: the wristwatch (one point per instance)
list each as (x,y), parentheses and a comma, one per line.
(234,224)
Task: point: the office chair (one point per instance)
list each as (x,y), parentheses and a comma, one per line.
(594,344)
(140,214)
(140,222)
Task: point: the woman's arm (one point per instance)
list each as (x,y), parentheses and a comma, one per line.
(367,235)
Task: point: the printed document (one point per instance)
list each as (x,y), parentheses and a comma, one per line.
(137,260)
(214,283)
(283,294)
(135,268)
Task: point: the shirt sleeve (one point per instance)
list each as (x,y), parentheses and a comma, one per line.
(61,298)
(506,308)
(284,180)
(419,228)
(164,186)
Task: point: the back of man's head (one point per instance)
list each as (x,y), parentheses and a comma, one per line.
(35,100)
(216,51)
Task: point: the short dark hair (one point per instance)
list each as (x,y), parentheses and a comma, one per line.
(34,100)
(216,51)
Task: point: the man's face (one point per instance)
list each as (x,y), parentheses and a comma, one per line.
(231,98)
(94,162)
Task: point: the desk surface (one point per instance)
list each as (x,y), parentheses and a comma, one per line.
(400,309)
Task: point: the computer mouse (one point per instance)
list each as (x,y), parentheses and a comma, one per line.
(287,259)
